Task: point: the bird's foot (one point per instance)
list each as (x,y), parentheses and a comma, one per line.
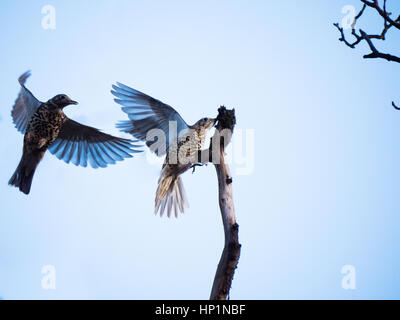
(196,165)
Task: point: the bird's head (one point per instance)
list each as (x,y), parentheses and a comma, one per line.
(62,100)
(205,123)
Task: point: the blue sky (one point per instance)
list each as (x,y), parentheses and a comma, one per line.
(323,192)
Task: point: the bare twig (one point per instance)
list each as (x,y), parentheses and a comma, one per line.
(231,252)
(382,12)
(375,53)
(388,23)
(353,32)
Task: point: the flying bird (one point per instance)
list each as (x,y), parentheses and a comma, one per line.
(45,126)
(165,133)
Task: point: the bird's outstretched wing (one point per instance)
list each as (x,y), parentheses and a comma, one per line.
(81,144)
(25,106)
(146,113)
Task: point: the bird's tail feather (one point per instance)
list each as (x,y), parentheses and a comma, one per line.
(23,175)
(170,194)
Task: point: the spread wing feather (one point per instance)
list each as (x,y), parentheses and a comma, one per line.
(25,105)
(82,144)
(146,113)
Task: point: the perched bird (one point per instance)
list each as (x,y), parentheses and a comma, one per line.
(149,119)
(45,126)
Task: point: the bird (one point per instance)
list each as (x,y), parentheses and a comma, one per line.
(46,127)
(165,133)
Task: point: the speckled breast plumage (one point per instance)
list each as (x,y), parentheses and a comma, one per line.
(45,125)
(185,151)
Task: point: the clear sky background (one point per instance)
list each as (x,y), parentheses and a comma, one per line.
(326,178)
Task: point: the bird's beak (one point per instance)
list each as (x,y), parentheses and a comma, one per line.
(214,122)
(73,102)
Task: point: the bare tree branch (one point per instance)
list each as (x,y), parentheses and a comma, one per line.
(231,252)
(375,53)
(382,12)
(388,23)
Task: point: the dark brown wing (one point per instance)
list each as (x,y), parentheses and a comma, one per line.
(25,106)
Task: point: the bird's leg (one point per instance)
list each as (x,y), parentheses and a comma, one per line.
(204,157)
